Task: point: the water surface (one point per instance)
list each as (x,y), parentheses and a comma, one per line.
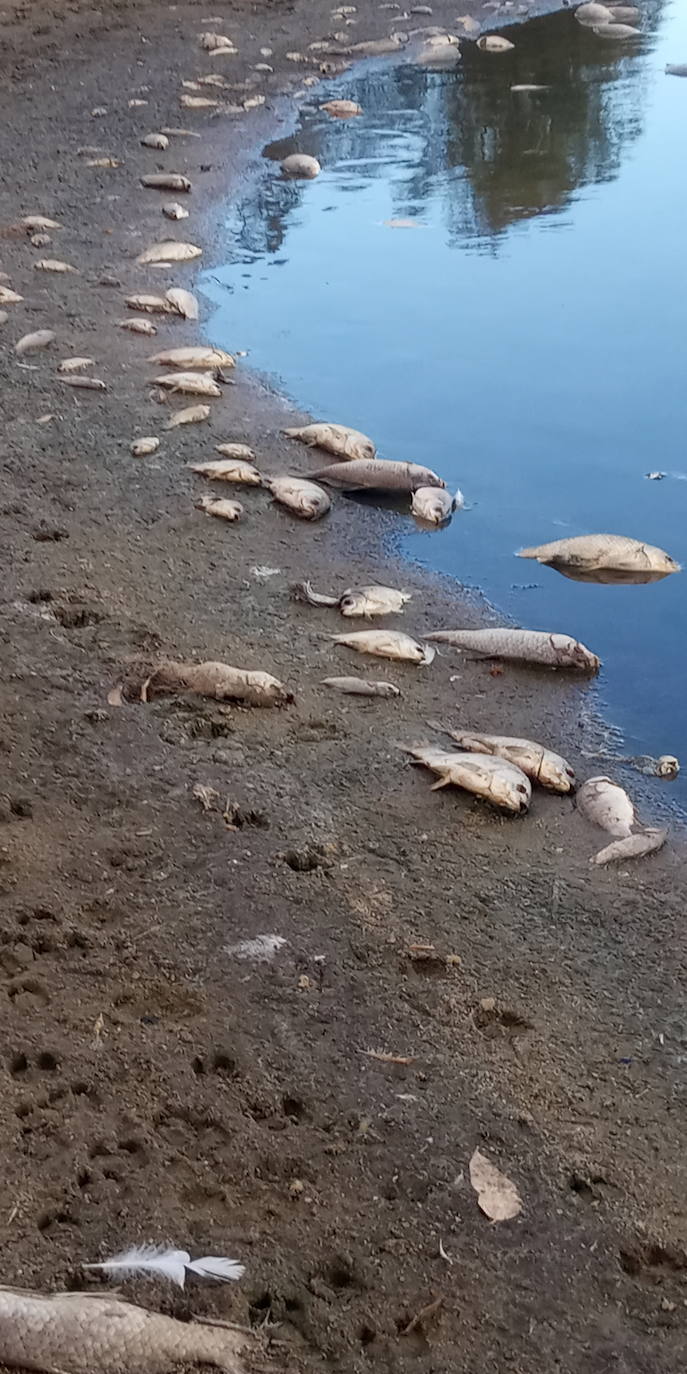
(526,337)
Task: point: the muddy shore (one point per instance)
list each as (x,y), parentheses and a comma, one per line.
(160,1086)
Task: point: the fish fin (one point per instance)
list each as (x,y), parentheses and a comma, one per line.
(303,591)
(149,1259)
(527,553)
(442,782)
(429,654)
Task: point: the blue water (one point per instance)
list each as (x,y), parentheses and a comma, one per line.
(526,339)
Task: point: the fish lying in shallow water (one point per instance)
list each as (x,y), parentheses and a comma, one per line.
(365,601)
(522,646)
(602,552)
(540,764)
(495,780)
(606,804)
(632,847)
(336,439)
(435,505)
(81,1333)
(387,644)
(381,475)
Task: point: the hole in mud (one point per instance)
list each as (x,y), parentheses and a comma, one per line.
(18,1064)
(83,1178)
(198,1066)
(305,860)
(48,1219)
(132,1146)
(47,1062)
(224,1063)
(38,597)
(259,1309)
(76,617)
(23,1110)
(340,1273)
(367,1334)
(293,1108)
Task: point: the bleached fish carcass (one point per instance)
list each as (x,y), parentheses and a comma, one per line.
(236,451)
(361,687)
(624,14)
(676,68)
(220,681)
(366,601)
(606,804)
(632,847)
(592,14)
(382,474)
(138,327)
(191,415)
(53,265)
(166,181)
(151,304)
(337,439)
(75,364)
(616,31)
(31,343)
(341,109)
(173,210)
(192,358)
(300,496)
(492,42)
(198,102)
(438,50)
(78,1333)
(33,222)
(184,302)
(435,505)
(8,297)
(493,779)
(387,644)
(141,448)
(596,553)
(210,42)
(540,764)
(171,250)
(159,141)
(300,165)
(229,470)
(223,509)
(84,383)
(522,646)
(192,383)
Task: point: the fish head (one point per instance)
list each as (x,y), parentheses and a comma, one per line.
(572,654)
(513,793)
(353,603)
(557,774)
(671,565)
(271,688)
(364,448)
(667,766)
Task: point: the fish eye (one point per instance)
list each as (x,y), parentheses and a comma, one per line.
(521,788)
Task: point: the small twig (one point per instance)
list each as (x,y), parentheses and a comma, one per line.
(423,1315)
(385,1058)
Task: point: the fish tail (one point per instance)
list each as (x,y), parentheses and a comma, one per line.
(217,1344)
(527,553)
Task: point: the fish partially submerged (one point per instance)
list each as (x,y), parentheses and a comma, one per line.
(361,687)
(494,779)
(366,601)
(604,558)
(592,13)
(606,804)
(435,505)
(381,475)
(229,470)
(632,847)
(387,644)
(217,680)
(540,764)
(337,439)
(303,498)
(78,1333)
(301,165)
(522,646)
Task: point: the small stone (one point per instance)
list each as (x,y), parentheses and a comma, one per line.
(488,1003)
(296,1188)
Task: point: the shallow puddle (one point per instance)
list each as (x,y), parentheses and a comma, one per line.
(491,282)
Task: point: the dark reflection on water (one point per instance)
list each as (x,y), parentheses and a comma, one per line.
(526,338)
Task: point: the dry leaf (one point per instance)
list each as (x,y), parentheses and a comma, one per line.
(497,1197)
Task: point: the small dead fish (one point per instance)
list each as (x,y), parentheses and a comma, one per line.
(135,104)
(357,601)
(192,415)
(526,87)
(606,804)
(141,448)
(592,14)
(210,42)
(376,47)
(138,326)
(184,302)
(33,222)
(53,265)
(300,165)
(219,681)
(193,358)
(341,109)
(434,504)
(361,687)
(600,552)
(229,470)
(492,42)
(616,31)
(676,69)
(303,498)
(378,475)
(159,141)
(180,133)
(166,181)
(192,383)
(225,510)
(104,162)
(30,343)
(75,364)
(387,644)
(236,451)
(214,79)
(438,50)
(152,304)
(522,646)
(493,779)
(40,240)
(540,764)
(8,297)
(625,14)
(173,210)
(79,1332)
(170,251)
(338,439)
(198,102)
(84,383)
(632,847)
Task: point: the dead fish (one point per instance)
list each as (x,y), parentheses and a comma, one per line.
(300,496)
(152,304)
(632,847)
(159,141)
(616,31)
(229,470)
(79,1332)
(592,14)
(138,326)
(3,317)
(192,383)
(468,24)
(676,69)
(540,764)
(75,364)
(210,42)
(179,133)
(337,439)
(198,102)
(53,265)
(141,448)
(357,601)
(492,42)
(341,109)
(624,14)
(84,383)
(493,779)
(214,79)
(184,302)
(193,358)
(438,50)
(172,250)
(225,510)
(376,47)
(30,343)
(166,181)
(104,162)
(33,222)
(300,165)
(192,415)
(387,644)
(599,552)
(8,297)
(606,804)
(522,646)
(173,210)
(220,681)
(236,451)
(528,86)
(40,240)
(434,504)
(361,687)
(380,475)
(135,104)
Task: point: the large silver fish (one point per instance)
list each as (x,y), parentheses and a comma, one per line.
(229,470)
(434,505)
(357,601)
(632,847)
(81,1333)
(496,780)
(387,644)
(603,553)
(522,646)
(591,14)
(337,439)
(303,498)
(606,804)
(361,687)
(381,475)
(218,680)
(540,764)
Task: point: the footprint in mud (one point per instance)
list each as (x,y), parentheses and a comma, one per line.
(495,1020)
(309,858)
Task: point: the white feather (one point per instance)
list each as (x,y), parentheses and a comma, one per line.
(148,1259)
(213,1267)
